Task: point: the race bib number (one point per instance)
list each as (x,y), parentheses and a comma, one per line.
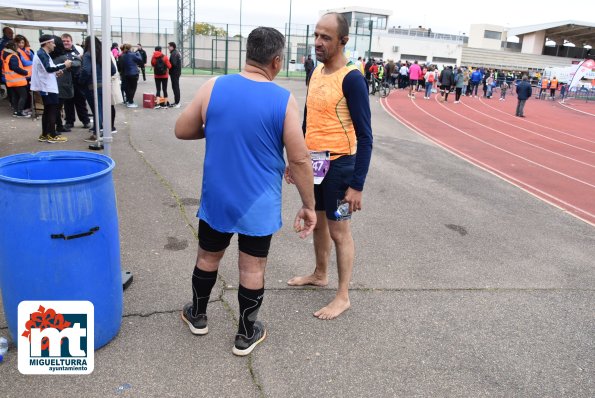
(321,161)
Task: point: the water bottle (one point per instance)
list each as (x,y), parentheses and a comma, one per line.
(3,348)
(342,210)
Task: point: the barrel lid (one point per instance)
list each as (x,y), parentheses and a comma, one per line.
(48,156)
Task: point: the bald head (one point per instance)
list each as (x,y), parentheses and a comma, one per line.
(341,23)
(330,37)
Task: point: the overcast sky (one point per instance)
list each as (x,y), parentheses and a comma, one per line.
(441,16)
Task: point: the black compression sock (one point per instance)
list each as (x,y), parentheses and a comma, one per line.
(202,284)
(250,301)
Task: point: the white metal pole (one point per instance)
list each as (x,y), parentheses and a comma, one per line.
(93,69)
(106,76)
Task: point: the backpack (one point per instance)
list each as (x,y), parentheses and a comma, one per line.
(431,77)
(160,67)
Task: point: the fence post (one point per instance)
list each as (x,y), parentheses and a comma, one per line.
(226,47)
(307,39)
(214,53)
(240,56)
(307,50)
(289,40)
(193,50)
(193,58)
(371,25)
(355,44)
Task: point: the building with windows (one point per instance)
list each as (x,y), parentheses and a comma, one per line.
(371,35)
(362,18)
(553,44)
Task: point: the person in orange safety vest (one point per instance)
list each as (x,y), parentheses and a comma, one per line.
(544,84)
(553,87)
(16,78)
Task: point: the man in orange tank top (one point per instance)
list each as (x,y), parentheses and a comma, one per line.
(337,121)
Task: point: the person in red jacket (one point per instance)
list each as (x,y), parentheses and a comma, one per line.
(161,67)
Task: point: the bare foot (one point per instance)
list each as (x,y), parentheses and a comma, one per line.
(308,280)
(333,309)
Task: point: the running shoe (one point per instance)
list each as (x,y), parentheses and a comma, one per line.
(244,345)
(57,139)
(197,324)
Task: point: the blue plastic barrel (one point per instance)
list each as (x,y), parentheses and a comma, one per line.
(59,235)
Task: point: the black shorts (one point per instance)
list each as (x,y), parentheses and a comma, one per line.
(214,241)
(50,98)
(331,191)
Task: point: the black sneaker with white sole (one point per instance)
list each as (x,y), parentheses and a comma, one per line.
(244,345)
(197,324)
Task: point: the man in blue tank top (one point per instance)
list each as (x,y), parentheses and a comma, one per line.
(246,121)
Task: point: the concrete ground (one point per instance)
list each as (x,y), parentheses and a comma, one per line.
(464,285)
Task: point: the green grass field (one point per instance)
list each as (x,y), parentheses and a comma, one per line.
(206,72)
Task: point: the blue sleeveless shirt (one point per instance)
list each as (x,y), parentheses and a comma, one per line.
(244,165)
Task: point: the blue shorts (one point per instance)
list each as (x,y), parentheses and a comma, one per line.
(331,191)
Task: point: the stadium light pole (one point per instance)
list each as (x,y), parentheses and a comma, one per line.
(138,17)
(193,36)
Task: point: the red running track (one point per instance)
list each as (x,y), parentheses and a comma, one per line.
(550,153)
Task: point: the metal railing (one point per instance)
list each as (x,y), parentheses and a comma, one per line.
(581,94)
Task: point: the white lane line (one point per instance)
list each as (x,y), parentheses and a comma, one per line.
(574,109)
(537,124)
(515,138)
(502,149)
(530,131)
(501,175)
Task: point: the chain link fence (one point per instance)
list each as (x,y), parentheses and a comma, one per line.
(220,48)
